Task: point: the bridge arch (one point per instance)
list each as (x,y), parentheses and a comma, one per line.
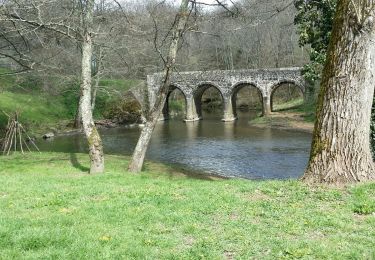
(281,83)
(240,84)
(172,89)
(236,88)
(195,82)
(277,84)
(201,88)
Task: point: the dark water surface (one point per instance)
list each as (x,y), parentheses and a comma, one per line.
(232,149)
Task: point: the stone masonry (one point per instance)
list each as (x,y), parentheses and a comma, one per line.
(228,82)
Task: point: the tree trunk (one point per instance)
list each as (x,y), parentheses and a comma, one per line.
(341,148)
(138,157)
(77,119)
(97,77)
(91,133)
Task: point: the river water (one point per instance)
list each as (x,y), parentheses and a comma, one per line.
(233,149)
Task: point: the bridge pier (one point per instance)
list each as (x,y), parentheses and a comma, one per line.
(191,109)
(164,115)
(266,105)
(228,110)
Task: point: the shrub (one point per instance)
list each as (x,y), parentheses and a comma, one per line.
(123,111)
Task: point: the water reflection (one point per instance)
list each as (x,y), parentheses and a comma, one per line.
(229,128)
(212,146)
(192,129)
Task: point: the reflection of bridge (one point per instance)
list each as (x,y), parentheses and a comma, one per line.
(228,83)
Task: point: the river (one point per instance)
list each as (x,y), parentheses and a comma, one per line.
(232,149)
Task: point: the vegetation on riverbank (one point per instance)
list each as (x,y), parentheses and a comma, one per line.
(53,108)
(285,120)
(293,115)
(51,208)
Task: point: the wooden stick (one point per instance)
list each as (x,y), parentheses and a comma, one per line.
(5,113)
(7,138)
(28,148)
(11,141)
(15,136)
(31,140)
(20,136)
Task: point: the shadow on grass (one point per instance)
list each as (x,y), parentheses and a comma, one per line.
(76,164)
(175,171)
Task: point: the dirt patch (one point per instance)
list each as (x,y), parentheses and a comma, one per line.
(285,121)
(257,196)
(229,255)
(189,241)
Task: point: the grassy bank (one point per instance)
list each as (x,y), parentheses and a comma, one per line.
(289,120)
(289,105)
(51,208)
(292,115)
(46,108)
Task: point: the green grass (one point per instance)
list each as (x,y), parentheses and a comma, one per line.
(295,103)
(52,209)
(263,120)
(38,110)
(308,111)
(176,105)
(119,84)
(35,110)
(42,111)
(6,81)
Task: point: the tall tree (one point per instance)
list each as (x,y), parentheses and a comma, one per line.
(138,157)
(89,128)
(341,149)
(57,24)
(314,20)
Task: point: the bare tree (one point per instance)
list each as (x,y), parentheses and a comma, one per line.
(178,29)
(89,128)
(40,21)
(138,157)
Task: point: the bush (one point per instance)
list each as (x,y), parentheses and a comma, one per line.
(123,111)
(177,105)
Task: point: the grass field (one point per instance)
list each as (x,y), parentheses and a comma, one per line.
(52,209)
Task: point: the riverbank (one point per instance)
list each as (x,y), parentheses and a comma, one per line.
(51,208)
(286,120)
(49,105)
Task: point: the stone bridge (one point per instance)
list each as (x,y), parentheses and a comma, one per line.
(228,83)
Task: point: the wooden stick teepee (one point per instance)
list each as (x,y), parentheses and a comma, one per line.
(14,136)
